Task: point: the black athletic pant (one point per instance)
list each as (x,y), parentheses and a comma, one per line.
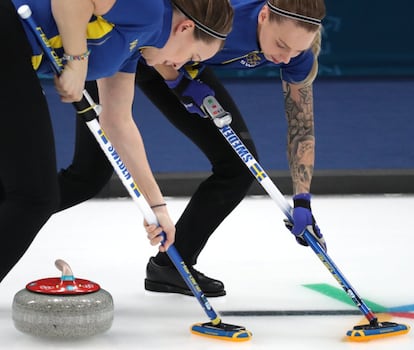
(90,170)
(28,182)
(220,193)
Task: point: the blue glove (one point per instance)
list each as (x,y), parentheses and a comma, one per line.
(190,92)
(303,219)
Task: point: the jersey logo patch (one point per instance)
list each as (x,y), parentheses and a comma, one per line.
(251,60)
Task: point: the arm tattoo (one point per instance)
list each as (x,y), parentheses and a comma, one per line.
(301,137)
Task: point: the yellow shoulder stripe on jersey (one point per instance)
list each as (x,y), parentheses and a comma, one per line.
(252,54)
(98,28)
(95,30)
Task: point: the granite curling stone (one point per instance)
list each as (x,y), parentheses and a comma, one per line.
(65,307)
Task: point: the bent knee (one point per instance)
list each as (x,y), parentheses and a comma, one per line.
(85,185)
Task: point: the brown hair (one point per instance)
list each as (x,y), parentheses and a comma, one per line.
(309,8)
(215,15)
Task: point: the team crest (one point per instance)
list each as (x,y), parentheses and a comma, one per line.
(251,60)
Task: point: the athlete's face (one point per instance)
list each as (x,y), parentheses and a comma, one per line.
(181,48)
(280,42)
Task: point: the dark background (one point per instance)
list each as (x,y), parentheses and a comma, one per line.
(363,111)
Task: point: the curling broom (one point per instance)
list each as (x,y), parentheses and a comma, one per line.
(374,329)
(88,110)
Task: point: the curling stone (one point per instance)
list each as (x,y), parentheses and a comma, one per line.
(65,307)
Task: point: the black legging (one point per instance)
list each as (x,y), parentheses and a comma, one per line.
(90,170)
(214,199)
(220,193)
(28,182)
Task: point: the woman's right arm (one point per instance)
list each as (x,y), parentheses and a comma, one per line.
(72,17)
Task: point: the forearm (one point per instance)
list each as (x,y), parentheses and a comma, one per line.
(116,95)
(72,17)
(301,136)
(128,143)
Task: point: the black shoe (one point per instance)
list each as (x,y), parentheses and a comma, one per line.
(168,280)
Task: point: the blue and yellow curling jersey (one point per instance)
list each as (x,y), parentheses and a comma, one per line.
(114,39)
(242,51)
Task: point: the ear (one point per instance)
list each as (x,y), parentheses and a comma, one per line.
(263,14)
(185,25)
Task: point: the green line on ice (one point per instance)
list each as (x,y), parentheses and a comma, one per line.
(340,295)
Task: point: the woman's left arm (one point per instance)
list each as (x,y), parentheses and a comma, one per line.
(298,100)
(116,94)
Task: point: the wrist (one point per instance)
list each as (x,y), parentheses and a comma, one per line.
(81,57)
(302,200)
